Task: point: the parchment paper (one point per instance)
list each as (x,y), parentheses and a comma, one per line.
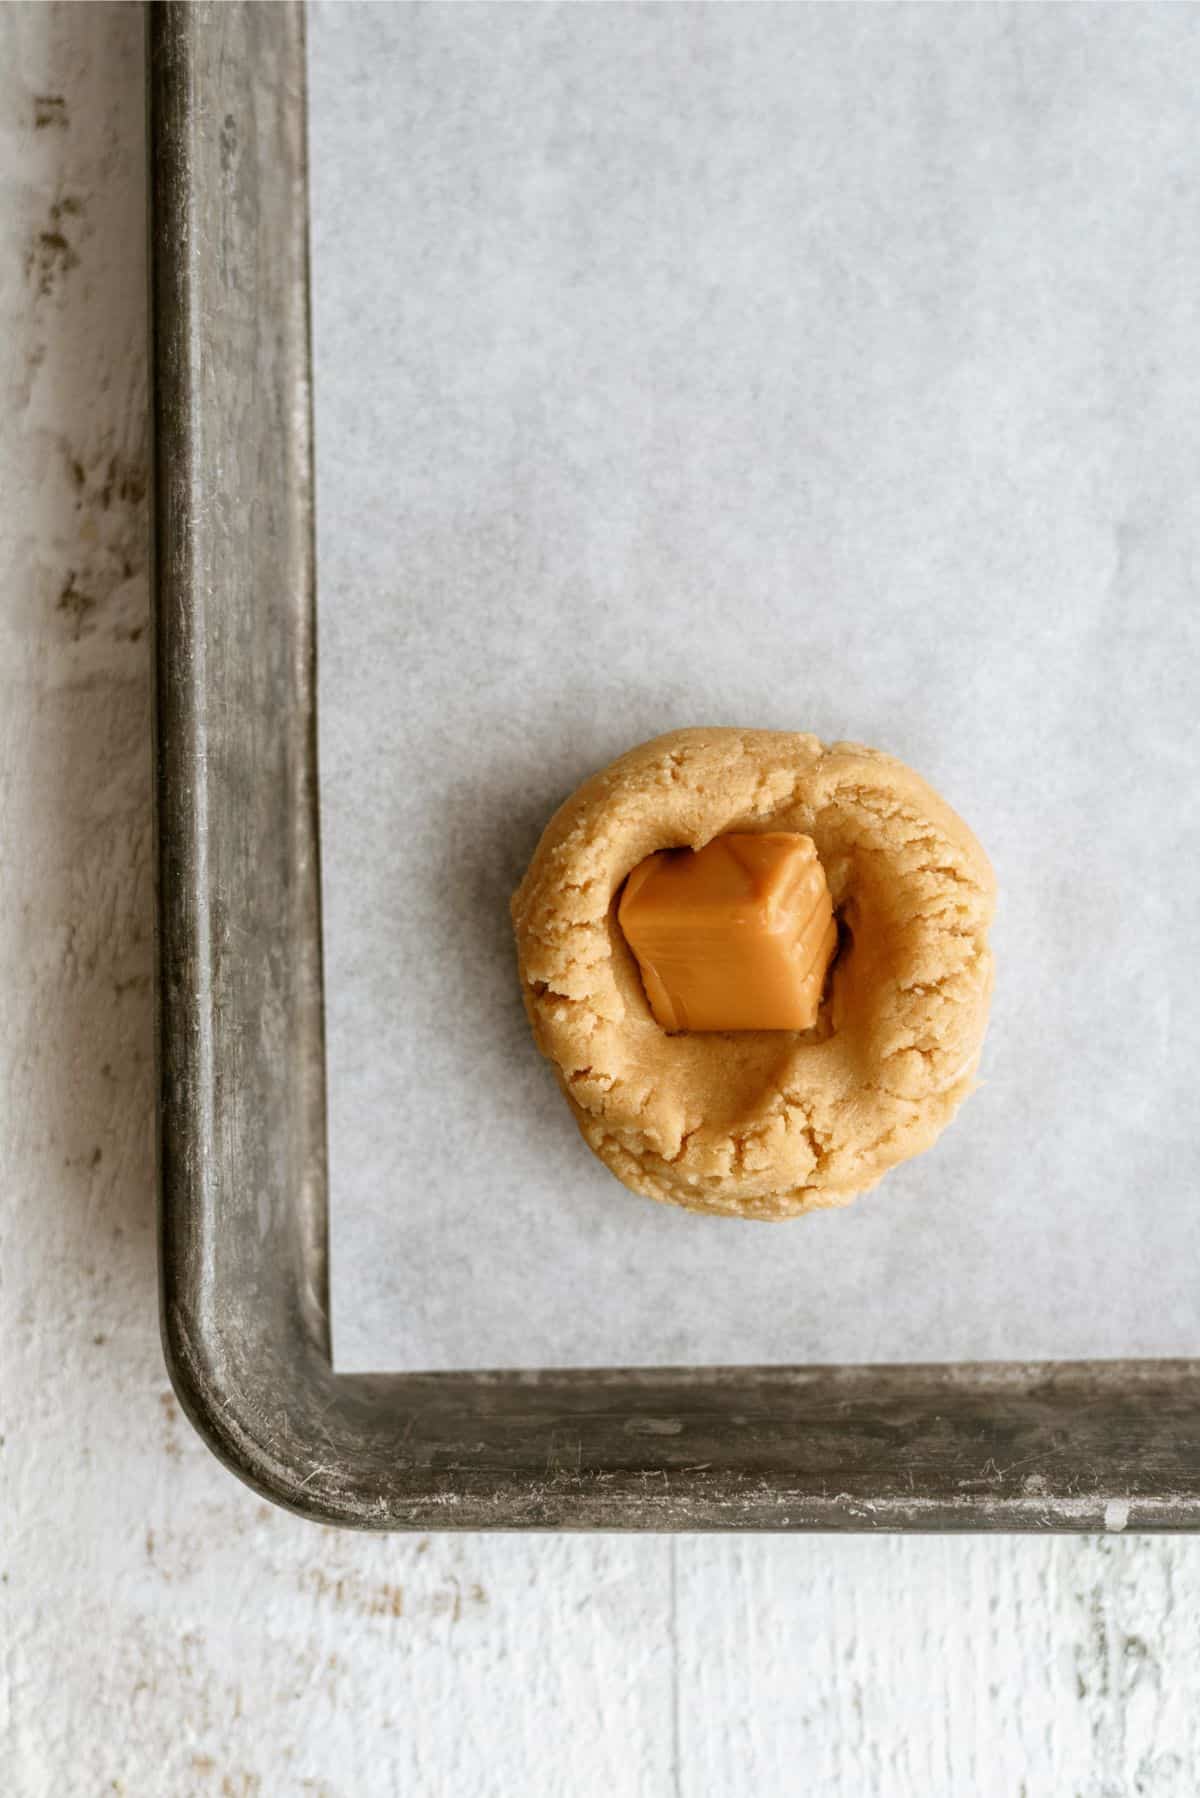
(833,369)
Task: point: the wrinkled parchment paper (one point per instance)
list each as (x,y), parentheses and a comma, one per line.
(821,368)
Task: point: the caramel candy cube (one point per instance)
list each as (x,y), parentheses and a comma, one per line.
(738,935)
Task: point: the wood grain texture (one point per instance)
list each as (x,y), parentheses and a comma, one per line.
(166,1634)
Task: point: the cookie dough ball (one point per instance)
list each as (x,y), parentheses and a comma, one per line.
(762,1123)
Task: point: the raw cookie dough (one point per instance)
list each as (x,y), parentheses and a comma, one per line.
(763,1124)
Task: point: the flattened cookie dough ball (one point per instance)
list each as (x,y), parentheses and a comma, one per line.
(763,1123)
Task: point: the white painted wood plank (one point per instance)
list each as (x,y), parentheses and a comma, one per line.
(932,1667)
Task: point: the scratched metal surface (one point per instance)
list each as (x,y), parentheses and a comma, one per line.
(241,1115)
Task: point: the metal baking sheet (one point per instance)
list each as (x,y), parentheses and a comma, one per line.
(800,367)
(244,1204)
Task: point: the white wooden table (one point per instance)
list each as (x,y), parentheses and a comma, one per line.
(167,1634)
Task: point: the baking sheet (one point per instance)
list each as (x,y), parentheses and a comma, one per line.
(822,368)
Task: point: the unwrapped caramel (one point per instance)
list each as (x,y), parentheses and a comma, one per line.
(738,935)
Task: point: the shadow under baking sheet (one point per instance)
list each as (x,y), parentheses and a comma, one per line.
(678,366)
